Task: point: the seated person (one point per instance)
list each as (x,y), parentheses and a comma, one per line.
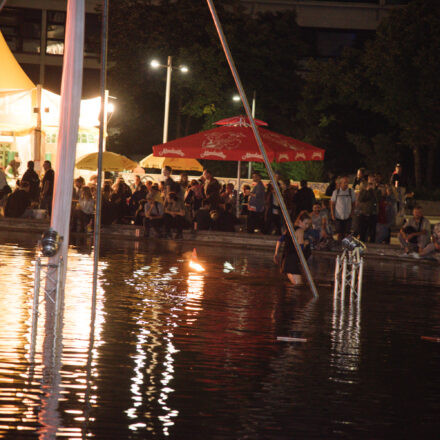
(153,215)
(174,215)
(18,202)
(202,219)
(223,219)
(415,233)
(432,250)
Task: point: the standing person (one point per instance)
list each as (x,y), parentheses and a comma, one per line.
(361,177)
(34,181)
(272,213)
(193,197)
(47,185)
(331,186)
(167,180)
(290,262)
(78,183)
(368,206)
(341,207)
(256,205)
(211,189)
(304,199)
(399,183)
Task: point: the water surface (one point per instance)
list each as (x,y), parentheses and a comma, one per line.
(182,355)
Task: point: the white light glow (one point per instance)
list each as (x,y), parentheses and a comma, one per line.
(155,64)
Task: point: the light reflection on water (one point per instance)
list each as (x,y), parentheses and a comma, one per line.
(181,354)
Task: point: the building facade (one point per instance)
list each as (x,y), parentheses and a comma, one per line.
(34,31)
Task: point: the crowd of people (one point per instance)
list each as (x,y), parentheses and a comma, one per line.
(367,209)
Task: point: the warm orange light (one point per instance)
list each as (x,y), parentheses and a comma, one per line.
(194,262)
(196,266)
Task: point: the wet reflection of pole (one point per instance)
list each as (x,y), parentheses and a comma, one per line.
(345,334)
(48,416)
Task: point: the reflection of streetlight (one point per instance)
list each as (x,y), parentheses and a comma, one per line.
(237,98)
(155,65)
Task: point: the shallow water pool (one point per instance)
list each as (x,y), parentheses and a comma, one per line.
(185,355)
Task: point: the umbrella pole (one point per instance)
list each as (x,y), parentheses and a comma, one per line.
(245,102)
(102,133)
(237,202)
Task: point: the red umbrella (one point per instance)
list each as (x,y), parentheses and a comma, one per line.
(242,121)
(238,143)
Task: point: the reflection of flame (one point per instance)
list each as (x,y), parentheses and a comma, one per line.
(196,266)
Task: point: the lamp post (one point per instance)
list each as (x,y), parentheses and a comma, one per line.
(169,66)
(254,103)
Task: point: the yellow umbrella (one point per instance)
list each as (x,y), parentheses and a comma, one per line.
(174,162)
(110,162)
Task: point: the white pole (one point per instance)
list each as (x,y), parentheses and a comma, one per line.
(269,169)
(344,275)
(254,103)
(167,100)
(237,202)
(337,274)
(71,88)
(35,308)
(361,274)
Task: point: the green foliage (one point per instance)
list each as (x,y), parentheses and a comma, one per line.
(312,171)
(375,106)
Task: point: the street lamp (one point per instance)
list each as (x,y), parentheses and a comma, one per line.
(237,98)
(169,66)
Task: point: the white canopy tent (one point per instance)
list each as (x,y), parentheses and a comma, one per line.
(27,110)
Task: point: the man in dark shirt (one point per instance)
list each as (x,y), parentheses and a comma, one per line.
(47,187)
(304,199)
(202,219)
(34,181)
(18,201)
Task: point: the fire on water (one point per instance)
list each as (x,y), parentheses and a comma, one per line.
(196,266)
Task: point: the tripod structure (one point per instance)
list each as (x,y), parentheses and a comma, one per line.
(349,272)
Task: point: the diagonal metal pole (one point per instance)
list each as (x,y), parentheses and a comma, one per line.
(2,3)
(245,102)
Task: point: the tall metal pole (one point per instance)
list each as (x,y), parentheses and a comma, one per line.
(102,133)
(167,100)
(71,89)
(261,147)
(254,104)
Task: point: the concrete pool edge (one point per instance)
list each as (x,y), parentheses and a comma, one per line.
(231,239)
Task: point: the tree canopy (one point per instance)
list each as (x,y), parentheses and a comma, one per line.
(379,105)
(266,49)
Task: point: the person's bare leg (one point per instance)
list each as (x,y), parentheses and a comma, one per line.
(295,279)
